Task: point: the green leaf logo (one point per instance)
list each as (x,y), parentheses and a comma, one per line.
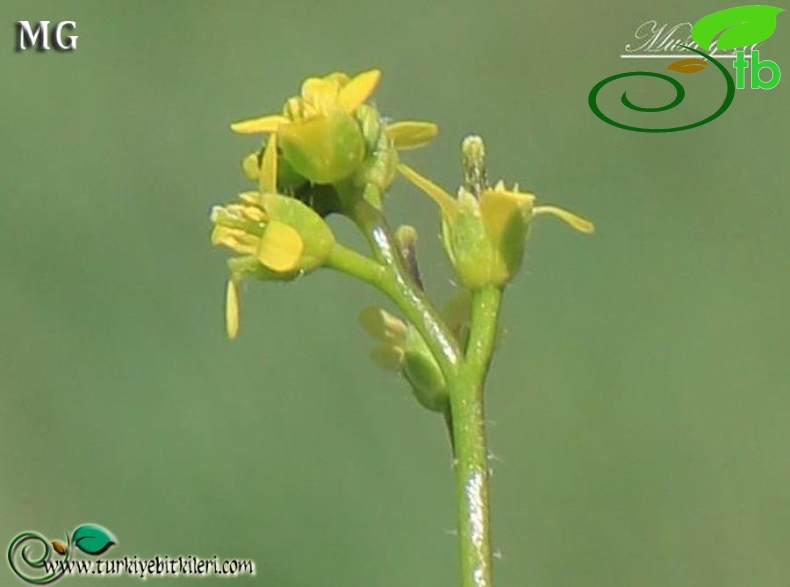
(92,539)
(739,26)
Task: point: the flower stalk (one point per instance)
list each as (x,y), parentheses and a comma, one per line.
(331,152)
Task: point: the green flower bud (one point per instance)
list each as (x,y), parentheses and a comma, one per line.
(423,373)
(406,237)
(403,350)
(370,125)
(379,167)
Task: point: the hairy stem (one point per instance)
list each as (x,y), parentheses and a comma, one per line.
(465,375)
(471,455)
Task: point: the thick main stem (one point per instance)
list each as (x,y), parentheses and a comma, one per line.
(471,475)
(471,453)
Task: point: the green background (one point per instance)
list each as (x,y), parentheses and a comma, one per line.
(640,402)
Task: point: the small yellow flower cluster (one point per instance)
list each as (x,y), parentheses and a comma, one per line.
(325,133)
(325,136)
(329,149)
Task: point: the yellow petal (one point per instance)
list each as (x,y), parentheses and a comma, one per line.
(250,166)
(359,89)
(280,248)
(410,135)
(255,125)
(498,206)
(293,108)
(574,221)
(382,325)
(321,93)
(267,180)
(339,76)
(232,310)
(447,204)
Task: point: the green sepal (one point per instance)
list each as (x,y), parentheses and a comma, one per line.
(370,125)
(325,149)
(248,266)
(314,231)
(467,243)
(381,159)
(423,373)
(288,179)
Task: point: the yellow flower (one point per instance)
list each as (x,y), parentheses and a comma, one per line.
(485,238)
(320,96)
(322,132)
(275,236)
(496,204)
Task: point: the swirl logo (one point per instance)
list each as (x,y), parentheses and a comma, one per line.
(731,28)
(41,568)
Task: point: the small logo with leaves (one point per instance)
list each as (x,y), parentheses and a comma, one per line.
(39,561)
(732,28)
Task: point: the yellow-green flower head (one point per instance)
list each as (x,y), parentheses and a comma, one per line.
(275,237)
(326,132)
(485,238)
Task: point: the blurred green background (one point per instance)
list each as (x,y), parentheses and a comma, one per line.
(640,403)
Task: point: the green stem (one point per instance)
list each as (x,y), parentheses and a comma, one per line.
(465,376)
(352,263)
(399,286)
(471,455)
(486,303)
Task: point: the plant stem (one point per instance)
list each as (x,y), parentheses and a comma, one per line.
(486,304)
(401,288)
(471,478)
(465,376)
(352,263)
(471,456)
